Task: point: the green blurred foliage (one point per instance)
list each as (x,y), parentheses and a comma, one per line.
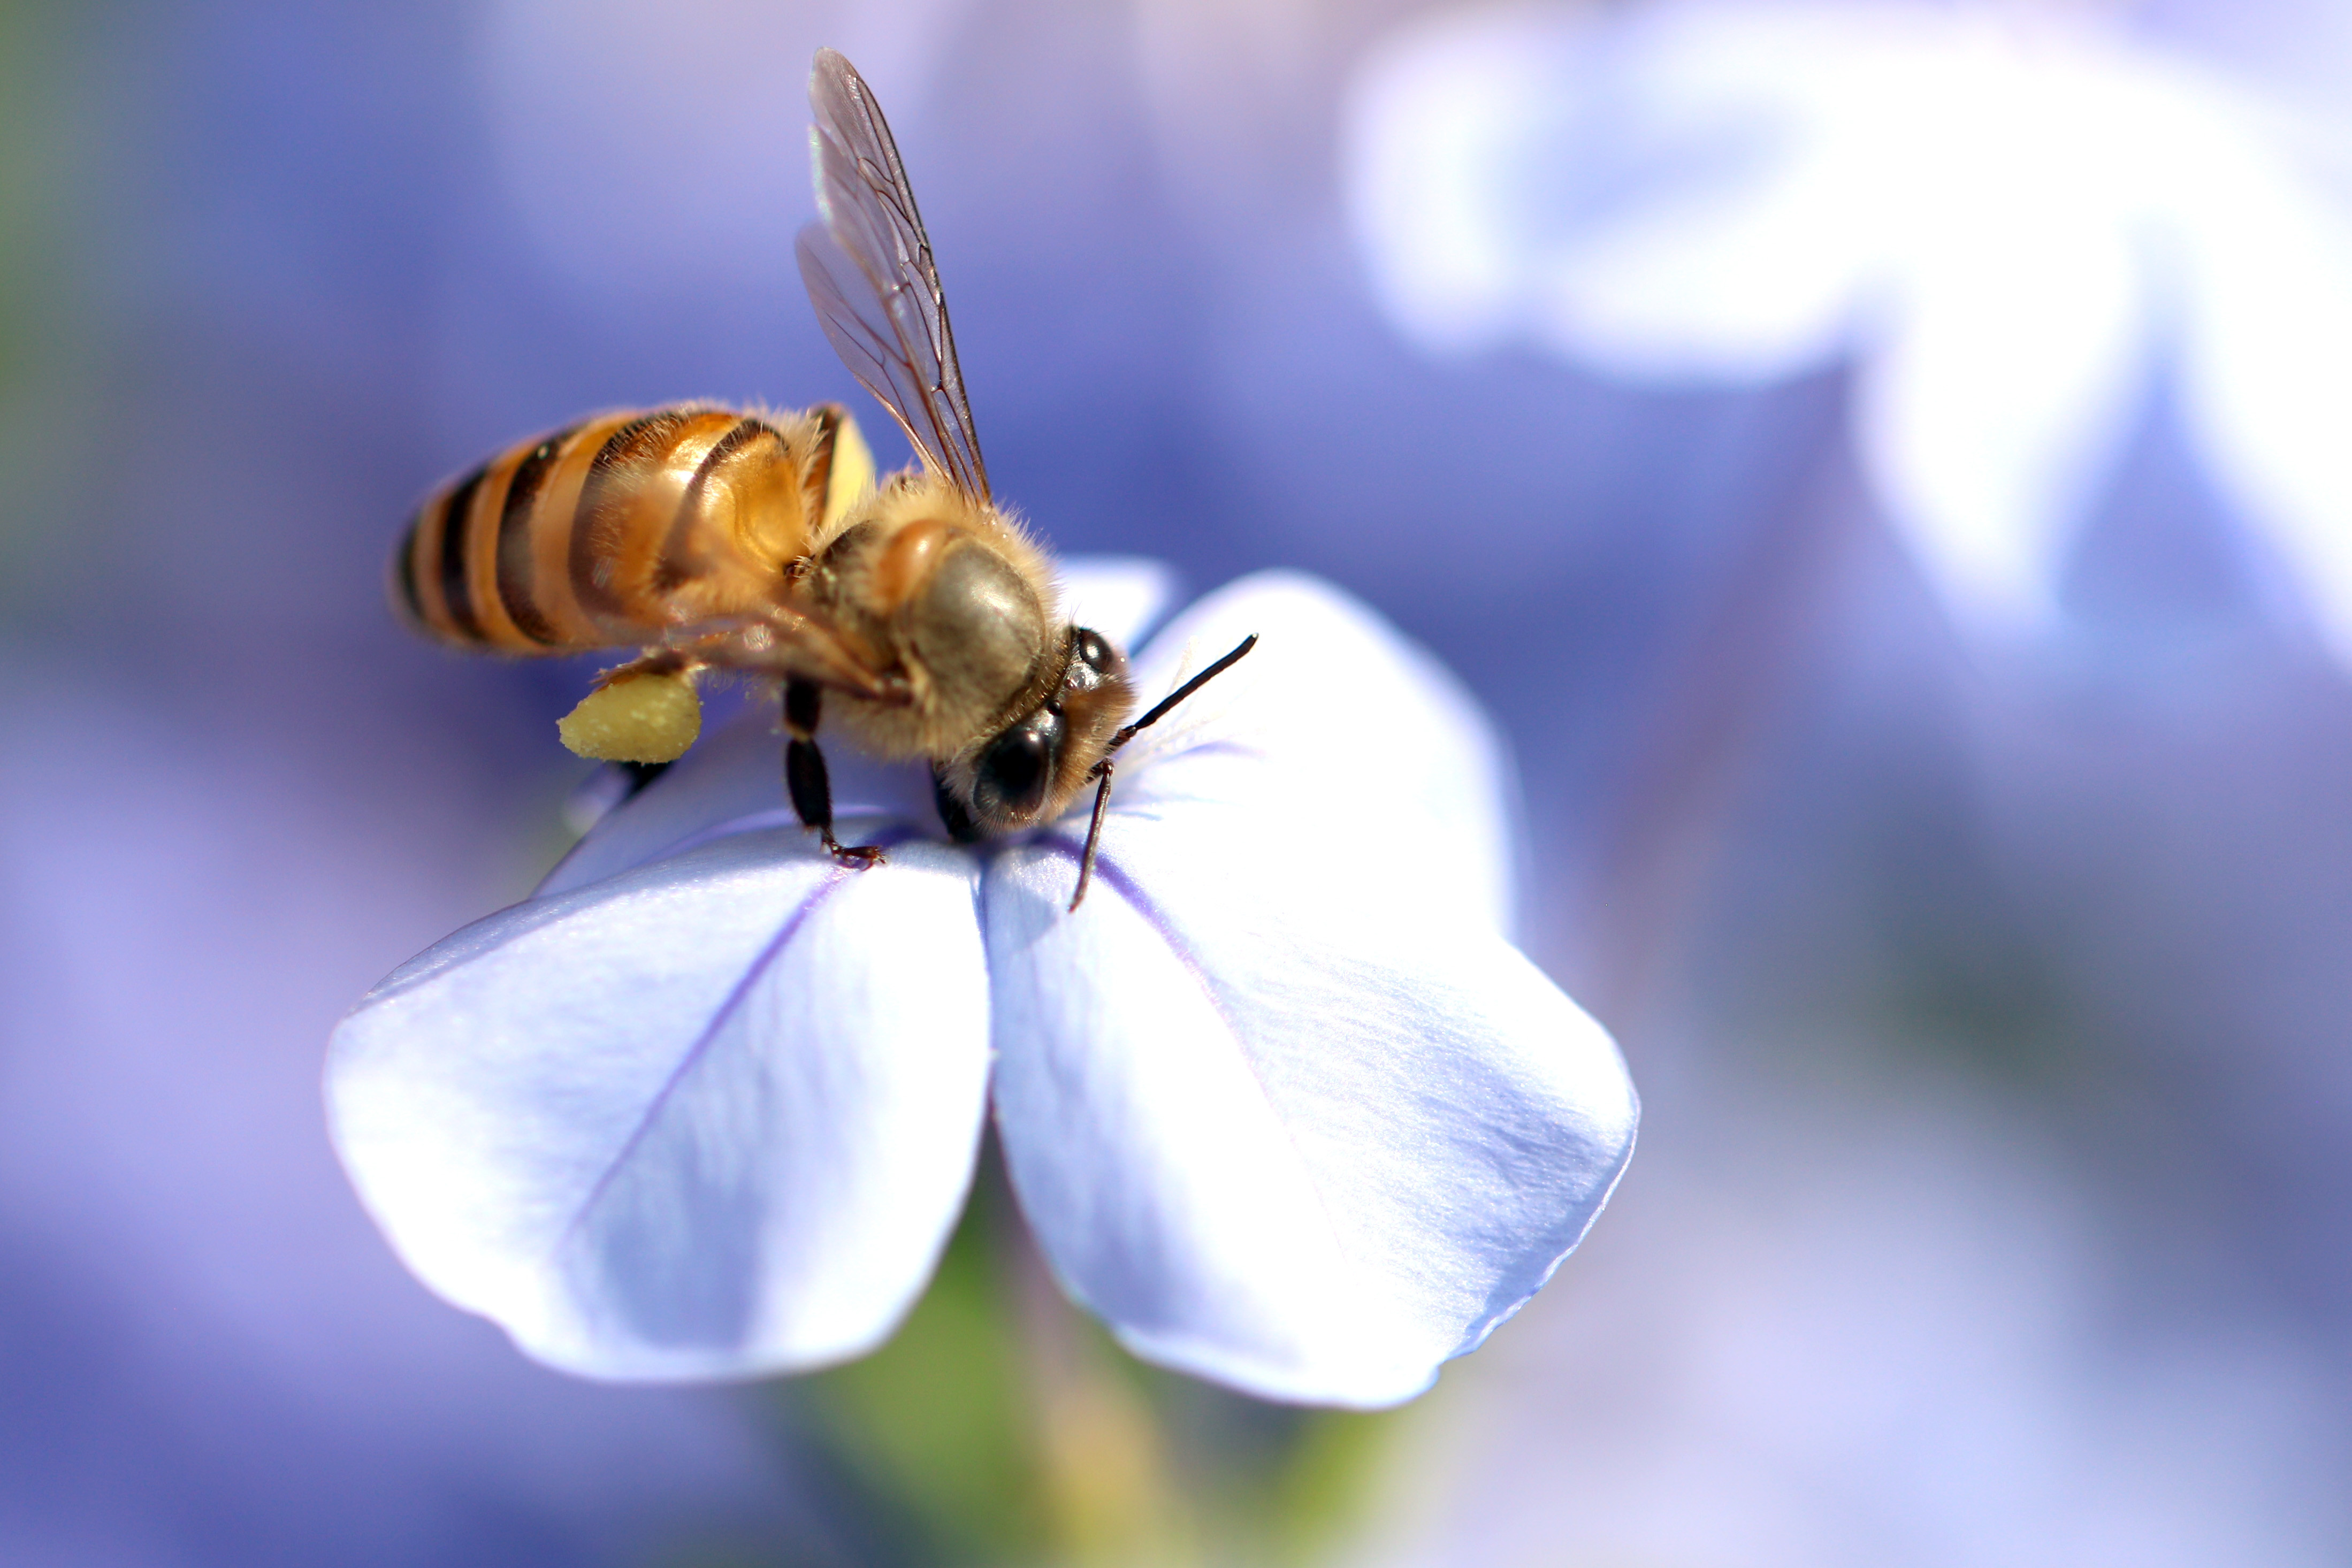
(1322,1490)
(1004,1427)
(26,159)
(936,1421)
(39,241)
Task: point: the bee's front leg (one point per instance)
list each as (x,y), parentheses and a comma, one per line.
(805,774)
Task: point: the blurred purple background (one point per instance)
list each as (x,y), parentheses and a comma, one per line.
(1989,1004)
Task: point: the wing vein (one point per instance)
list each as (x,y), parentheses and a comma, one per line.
(871,273)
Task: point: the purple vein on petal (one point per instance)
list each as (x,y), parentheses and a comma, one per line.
(702,1042)
(1184,749)
(1210,748)
(1114,876)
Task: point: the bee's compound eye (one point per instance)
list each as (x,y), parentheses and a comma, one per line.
(1092,660)
(1009,786)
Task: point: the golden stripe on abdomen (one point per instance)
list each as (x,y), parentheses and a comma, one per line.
(600,522)
(679,563)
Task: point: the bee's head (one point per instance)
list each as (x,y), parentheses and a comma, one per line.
(1028,772)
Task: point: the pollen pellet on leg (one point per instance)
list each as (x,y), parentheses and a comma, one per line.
(636,718)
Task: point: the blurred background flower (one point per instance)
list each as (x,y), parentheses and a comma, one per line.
(1988,999)
(2015,222)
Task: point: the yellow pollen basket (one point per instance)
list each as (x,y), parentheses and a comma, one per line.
(637,718)
(654,718)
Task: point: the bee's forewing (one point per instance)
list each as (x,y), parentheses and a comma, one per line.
(870,273)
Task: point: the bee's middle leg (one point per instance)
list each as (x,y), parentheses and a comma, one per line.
(805,776)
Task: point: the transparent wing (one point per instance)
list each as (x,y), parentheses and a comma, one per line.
(870,273)
(799,642)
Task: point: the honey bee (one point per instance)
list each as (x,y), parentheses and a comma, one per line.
(918,613)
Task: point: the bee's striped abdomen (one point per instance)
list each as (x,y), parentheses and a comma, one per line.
(613,532)
(514,574)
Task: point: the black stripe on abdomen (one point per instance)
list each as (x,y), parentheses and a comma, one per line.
(456,594)
(516,569)
(404,575)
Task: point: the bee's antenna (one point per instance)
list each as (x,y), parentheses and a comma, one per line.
(1102,770)
(1160,709)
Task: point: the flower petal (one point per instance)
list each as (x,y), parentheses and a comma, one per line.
(1121,596)
(1334,738)
(1280,1103)
(695,1120)
(1297,1143)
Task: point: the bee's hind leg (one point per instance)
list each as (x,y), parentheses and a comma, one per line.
(659,662)
(644,713)
(805,774)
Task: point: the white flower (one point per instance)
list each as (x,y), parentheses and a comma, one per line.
(2012,225)
(1280,1101)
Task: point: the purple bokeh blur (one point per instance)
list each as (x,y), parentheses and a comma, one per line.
(1988,1006)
